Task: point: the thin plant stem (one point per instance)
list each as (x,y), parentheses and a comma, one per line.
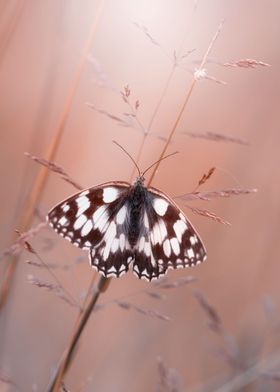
(100,287)
(183,107)
(155,112)
(42,176)
(157,107)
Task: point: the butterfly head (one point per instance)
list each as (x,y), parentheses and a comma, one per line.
(139,180)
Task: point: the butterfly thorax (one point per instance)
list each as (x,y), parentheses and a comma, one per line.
(137,202)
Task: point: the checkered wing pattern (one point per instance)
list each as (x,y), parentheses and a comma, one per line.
(168,239)
(121,224)
(96,220)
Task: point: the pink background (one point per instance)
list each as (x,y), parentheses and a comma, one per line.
(41,44)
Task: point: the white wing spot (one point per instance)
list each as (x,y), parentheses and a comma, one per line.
(80,222)
(83,204)
(110,232)
(88,243)
(62,221)
(146,221)
(141,244)
(110,194)
(109,238)
(175,246)
(190,253)
(65,207)
(115,245)
(121,215)
(100,218)
(122,242)
(193,240)
(160,206)
(87,228)
(147,249)
(167,248)
(156,235)
(179,227)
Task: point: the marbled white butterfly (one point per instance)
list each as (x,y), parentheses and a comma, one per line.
(122,224)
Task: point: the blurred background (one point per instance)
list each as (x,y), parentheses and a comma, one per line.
(56,58)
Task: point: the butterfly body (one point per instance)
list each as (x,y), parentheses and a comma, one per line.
(136,202)
(122,224)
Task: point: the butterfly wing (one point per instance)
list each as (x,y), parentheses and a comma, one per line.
(168,239)
(96,219)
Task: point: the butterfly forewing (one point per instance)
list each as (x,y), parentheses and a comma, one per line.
(84,217)
(168,239)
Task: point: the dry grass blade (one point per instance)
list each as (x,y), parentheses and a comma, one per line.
(54,168)
(216,137)
(251,374)
(209,195)
(167,284)
(145,30)
(119,120)
(154,295)
(169,379)
(55,288)
(246,63)
(206,177)
(18,244)
(43,284)
(62,292)
(213,79)
(208,214)
(214,321)
(147,312)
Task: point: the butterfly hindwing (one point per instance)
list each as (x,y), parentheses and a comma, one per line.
(168,239)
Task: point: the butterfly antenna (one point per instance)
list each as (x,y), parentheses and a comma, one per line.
(161,159)
(127,153)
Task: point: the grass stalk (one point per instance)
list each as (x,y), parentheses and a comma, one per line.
(185,102)
(67,356)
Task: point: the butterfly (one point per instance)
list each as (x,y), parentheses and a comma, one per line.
(123,224)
